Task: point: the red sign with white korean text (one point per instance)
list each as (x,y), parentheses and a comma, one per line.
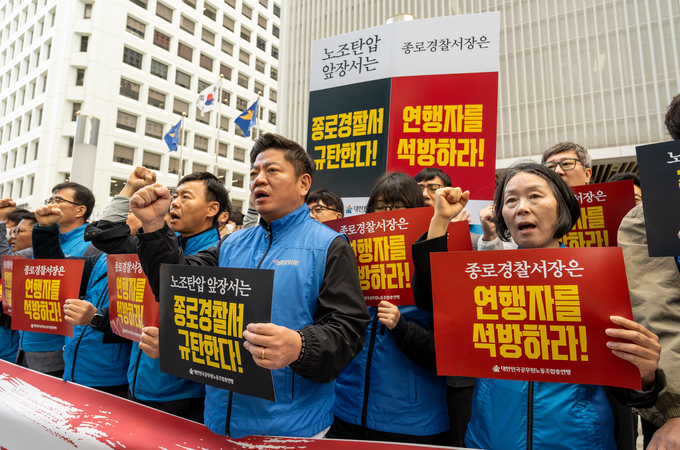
(535,315)
(132,305)
(40,288)
(447,122)
(7,263)
(382,244)
(603,207)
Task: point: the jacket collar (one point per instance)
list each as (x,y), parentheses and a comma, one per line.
(290,220)
(199,241)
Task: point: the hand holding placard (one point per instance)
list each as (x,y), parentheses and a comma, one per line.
(78,312)
(149,342)
(388,314)
(643,350)
(272,346)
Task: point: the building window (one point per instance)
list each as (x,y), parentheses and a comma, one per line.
(228,23)
(156,99)
(141,3)
(241,104)
(231,3)
(179,107)
(227,47)
(164,12)
(161,40)
(223,150)
(244,57)
(117,185)
(209,11)
(208,36)
(83,43)
(237,180)
(259,65)
(191,3)
(199,168)
(151,161)
(173,165)
(261,44)
(264,3)
(183,79)
(132,58)
(245,34)
(88,12)
(258,88)
(202,118)
(126,121)
(159,69)
(202,85)
(224,123)
(69,153)
(272,117)
(239,154)
(226,71)
(272,95)
(247,11)
(74,114)
(184,52)
(274,73)
(275,52)
(153,129)
(129,89)
(262,21)
(277,10)
(135,27)
(123,154)
(186,24)
(200,143)
(80,77)
(243,80)
(226,97)
(275,30)
(206,62)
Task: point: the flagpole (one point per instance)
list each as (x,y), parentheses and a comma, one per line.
(219,120)
(181,150)
(257,116)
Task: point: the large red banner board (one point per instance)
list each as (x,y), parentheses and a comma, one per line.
(382,245)
(535,315)
(40,288)
(7,263)
(42,412)
(132,305)
(603,207)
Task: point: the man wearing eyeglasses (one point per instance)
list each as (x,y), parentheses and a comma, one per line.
(325,205)
(570,161)
(430,180)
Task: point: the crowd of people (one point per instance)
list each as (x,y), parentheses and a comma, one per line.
(342,370)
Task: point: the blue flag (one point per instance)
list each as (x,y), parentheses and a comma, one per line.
(247,119)
(172,137)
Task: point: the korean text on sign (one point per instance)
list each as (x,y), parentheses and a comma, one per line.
(351,57)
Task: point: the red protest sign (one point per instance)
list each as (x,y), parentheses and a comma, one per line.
(382,245)
(7,263)
(535,315)
(40,288)
(132,305)
(603,206)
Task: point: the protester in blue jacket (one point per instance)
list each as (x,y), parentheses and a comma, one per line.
(536,207)
(382,394)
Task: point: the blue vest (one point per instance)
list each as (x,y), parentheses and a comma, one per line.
(9,344)
(72,244)
(303,408)
(87,360)
(147,382)
(402,397)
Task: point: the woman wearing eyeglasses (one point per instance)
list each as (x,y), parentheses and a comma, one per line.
(382,395)
(536,207)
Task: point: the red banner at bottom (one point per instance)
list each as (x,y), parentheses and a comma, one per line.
(39,411)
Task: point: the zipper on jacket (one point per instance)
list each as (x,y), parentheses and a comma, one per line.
(364,409)
(80,338)
(134,377)
(228,424)
(530,417)
(269,236)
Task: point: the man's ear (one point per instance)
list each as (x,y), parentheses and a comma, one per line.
(305,182)
(81,211)
(213,209)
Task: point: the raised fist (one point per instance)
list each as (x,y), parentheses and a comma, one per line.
(7,207)
(139,178)
(149,204)
(48,215)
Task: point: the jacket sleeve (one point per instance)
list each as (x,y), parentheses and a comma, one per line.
(654,285)
(422,274)
(340,321)
(416,342)
(161,247)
